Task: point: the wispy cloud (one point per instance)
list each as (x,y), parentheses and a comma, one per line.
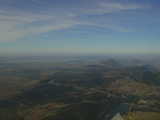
(120,6)
(15,25)
(110,7)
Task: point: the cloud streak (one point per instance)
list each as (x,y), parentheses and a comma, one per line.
(15,25)
(111,7)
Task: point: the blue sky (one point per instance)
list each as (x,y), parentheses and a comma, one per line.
(79,26)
